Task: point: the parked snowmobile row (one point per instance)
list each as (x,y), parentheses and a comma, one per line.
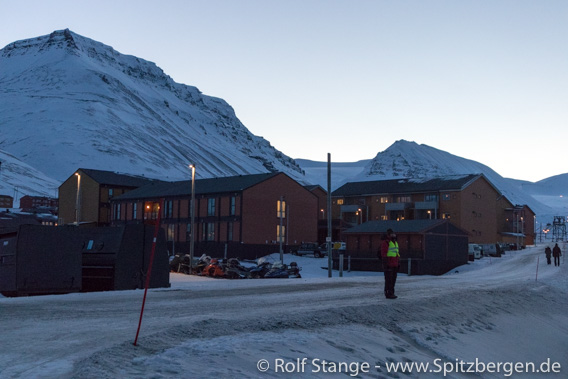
(233,269)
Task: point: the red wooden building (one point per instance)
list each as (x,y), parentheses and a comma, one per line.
(247,214)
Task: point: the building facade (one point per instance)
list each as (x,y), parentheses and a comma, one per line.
(85,196)
(39,203)
(427,246)
(255,210)
(471,202)
(6,201)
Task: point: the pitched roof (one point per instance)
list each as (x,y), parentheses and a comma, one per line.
(406,185)
(202,186)
(313,187)
(116,179)
(404,226)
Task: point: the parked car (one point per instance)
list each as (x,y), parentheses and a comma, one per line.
(309,249)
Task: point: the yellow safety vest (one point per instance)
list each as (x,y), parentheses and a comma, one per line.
(393,249)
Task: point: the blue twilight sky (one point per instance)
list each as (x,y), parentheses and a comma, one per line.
(485,80)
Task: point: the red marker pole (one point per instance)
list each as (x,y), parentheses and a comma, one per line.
(148,274)
(537,260)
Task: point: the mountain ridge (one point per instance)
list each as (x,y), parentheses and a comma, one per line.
(96,100)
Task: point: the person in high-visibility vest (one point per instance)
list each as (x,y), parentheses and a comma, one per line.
(390,256)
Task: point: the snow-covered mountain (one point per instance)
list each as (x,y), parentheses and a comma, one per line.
(18,178)
(67,101)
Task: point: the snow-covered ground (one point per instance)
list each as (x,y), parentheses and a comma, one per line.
(494,312)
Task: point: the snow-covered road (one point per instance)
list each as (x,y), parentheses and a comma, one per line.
(493,311)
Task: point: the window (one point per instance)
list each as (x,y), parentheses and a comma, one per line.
(134,210)
(211,207)
(168,209)
(281,209)
(384,199)
(280,233)
(188,232)
(229,231)
(233,204)
(339,201)
(431,197)
(210,236)
(403,199)
(446,216)
(117,211)
(110,193)
(151,210)
(171,232)
(384,218)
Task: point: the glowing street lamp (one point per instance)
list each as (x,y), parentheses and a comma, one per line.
(192,235)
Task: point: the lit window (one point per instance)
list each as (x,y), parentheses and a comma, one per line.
(151,210)
(281,209)
(384,199)
(339,201)
(171,232)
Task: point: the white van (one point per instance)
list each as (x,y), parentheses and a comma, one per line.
(475,251)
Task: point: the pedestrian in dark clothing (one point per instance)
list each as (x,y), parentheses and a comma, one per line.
(556,253)
(548,253)
(390,256)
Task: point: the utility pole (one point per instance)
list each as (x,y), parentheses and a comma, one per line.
(328,239)
(192,211)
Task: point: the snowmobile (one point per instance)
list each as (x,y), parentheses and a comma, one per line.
(214,269)
(234,270)
(261,268)
(180,263)
(277,270)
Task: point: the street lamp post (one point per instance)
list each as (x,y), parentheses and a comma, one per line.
(280,234)
(192,235)
(77,205)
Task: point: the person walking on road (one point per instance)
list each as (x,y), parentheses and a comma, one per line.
(390,257)
(548,253)
(556,253)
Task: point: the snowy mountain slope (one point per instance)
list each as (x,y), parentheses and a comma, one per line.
(551,191)
(405,159)
(67,101)
(18,178)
